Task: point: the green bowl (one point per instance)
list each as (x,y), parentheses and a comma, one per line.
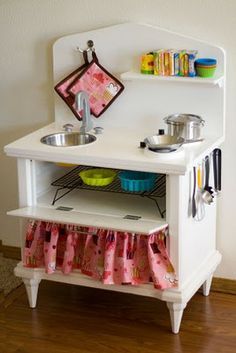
(205,72)
(97,177)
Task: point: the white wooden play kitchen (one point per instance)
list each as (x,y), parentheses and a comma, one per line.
(137,113)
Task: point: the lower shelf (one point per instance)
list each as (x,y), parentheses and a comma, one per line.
(178,295)
(77,278)
(176,299)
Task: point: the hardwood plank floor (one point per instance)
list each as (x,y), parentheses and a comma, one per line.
(82,320)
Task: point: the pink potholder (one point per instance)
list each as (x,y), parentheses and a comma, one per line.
(62,86)
(102,87)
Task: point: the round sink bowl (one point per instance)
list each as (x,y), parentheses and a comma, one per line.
(67,139)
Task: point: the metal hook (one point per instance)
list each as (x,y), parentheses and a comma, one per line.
(90,45)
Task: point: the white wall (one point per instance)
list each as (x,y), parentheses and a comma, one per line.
(27,30)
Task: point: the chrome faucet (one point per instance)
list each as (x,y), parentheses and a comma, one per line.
(82,103)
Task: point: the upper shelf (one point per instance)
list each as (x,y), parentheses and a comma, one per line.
(132,76)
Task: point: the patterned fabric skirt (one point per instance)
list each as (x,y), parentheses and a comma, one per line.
(109,256)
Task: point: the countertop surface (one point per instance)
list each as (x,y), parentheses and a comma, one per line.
(113,148)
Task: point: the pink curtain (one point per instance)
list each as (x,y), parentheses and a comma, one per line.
(109,256)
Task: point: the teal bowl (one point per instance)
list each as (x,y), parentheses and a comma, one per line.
(133,181)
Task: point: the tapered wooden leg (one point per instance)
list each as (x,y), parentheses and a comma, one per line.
(207,286)
(31,286)
(176,312)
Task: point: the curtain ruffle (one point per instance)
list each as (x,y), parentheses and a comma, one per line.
(109,256)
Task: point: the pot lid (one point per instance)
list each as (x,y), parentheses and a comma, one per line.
(179,119)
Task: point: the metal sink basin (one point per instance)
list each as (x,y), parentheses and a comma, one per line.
(67,139)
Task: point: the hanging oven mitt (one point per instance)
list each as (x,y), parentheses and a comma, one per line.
(102,87)
(62,86)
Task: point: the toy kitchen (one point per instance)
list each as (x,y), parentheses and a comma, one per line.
(120,191)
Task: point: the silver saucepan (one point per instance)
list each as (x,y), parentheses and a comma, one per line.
(187,126)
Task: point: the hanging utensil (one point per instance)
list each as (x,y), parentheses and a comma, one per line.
(200,214)
(217,169)
(194,208)
(219,158)
(207,192)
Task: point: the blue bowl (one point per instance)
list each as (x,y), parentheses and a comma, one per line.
(137,181)
(206,62)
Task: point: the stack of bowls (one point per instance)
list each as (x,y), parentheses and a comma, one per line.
(205,67)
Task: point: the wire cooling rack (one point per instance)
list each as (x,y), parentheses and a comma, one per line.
(71,181)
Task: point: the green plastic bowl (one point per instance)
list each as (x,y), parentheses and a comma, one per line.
(97,177)
(205,72)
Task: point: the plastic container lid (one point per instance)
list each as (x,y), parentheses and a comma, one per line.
(206,61)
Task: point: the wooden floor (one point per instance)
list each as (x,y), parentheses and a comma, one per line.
(71,319)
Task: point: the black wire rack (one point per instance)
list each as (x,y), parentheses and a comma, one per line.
(72,181)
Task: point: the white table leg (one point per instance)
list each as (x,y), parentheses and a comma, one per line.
(207,286)
(31,286)
(176,312)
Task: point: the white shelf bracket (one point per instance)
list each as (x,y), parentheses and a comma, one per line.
(221,82)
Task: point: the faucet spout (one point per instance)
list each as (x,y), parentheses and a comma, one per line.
(82,103)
